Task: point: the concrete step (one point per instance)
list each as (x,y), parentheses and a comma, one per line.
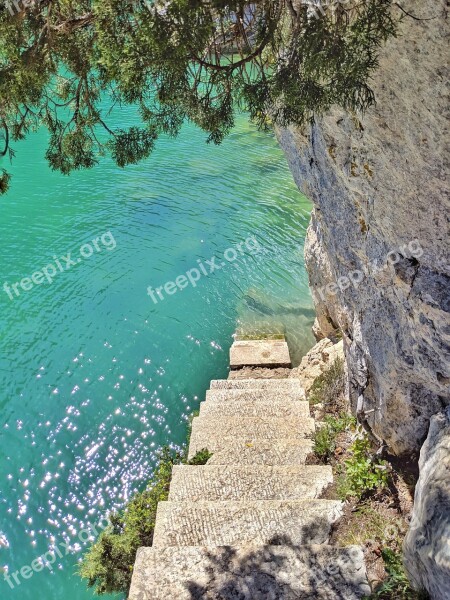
(258,427)
(259,353)
(252,572)
(249,408)
(230,522)
(256,395)
(291,384)
(248,482)
(228,450)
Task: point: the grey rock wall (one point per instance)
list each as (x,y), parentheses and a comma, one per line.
(378,243)
(427,544)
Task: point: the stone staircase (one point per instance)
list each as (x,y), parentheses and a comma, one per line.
(250,524)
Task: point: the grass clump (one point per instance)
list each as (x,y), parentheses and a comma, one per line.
(396,585)
(200,458)
(326,436)
(329,386)
(362,472)
(370,523)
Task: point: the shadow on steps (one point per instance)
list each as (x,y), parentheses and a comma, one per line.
(281,571)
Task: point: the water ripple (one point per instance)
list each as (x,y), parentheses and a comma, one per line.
(95,377)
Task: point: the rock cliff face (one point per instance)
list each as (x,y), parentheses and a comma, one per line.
(427,545)
(377,246)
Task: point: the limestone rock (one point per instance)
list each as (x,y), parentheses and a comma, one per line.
(427,544)
(318,359)
(377,244)
(317,332)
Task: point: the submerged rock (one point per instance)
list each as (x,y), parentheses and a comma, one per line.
(265,308)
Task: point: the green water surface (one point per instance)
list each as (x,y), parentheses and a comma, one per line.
(94,375)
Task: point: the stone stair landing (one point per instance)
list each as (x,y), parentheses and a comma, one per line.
(259,353)
(250,524)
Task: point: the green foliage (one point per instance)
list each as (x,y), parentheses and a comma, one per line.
(62,63)
(108,564)
(368,524)
(4,181)
(396,586)
(325,437)
(201,457)
(131,146)
(330,385)
(363,472)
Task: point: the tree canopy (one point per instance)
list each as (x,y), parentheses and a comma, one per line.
(63,61)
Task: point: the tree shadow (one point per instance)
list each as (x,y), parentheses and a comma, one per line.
(281,570)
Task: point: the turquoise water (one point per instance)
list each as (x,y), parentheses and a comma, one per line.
(94,375)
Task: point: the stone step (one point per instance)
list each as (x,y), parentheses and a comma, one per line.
(259,353)
(291,384)
(248,408)
(281,572)
(248,482)
(230,522)
(258,427)
(259,373)
(228,450)
(256,395)
(259,333)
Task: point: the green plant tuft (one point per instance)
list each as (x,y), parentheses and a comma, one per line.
(201,457)
(396,585)
(362,472)
(328,386)
(325,437)
(4,181)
